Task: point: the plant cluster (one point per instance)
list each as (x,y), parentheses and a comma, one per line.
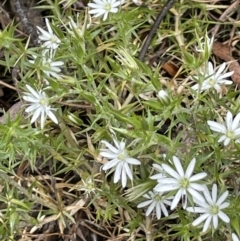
(129,150)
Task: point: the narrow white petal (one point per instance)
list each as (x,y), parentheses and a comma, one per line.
(118,172)
(198,177)
(190,168)
(105,16)
(196,194)
(164,210)
(224,217)
(226,141)
(165,188)
(144,204)
(33,92)
(210,70)
(208,196)
(201,204)
(234,237)
(133,161)
(223,139)
(168,181)
(207,224)
(226,75)
(36,114)
(150,208)
(122,145)
(45,35)
(214,193)
(32,107)
(224,205)
(111,147)
(31,99)
(236,122)
(110,164)
(108,154)
(215,221)
(229,120)
(196,209)
(220,70)
(157,167)
(158,211)
(114,10)
(43,119)
(128,170)
(198,187)
(157,176)
(214,126)
(124,178)
(48,26)
(170,171)
(52,117)
(176,199)
(178,166)
(200,219)
(222,198)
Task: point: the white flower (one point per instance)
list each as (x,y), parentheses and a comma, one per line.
(50,67)
(39,106)
(234,237)
(210,209)
(230,130)
(211,79)
(157,201)
(104,7)
(51,41)
(181,181)
(120,161)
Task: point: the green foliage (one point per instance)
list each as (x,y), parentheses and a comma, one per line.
(105,88)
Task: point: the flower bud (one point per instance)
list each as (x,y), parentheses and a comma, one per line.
(163,96)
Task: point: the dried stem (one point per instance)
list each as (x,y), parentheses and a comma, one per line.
(26,22)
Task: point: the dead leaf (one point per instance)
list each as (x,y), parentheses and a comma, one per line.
(170,68)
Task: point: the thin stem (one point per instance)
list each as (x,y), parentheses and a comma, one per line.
(26,22)
(154,28)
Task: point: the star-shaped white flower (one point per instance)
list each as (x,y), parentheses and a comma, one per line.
(183,182)
(120,161)
(235,237)
(230,130)
(210,209)
(156,201)
(51,41)
(104,7)
(212,79)
(39,106)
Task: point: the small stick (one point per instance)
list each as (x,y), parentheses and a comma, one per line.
(30,28)
(224,15)
(154,28)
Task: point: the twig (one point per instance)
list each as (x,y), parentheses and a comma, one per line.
(30,28)
(224,15)
(154,28)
